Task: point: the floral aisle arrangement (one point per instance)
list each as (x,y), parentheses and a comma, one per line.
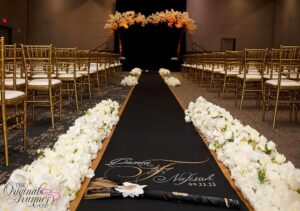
(170,17)
(58,172)
(164,72)
(172,81)
(136,71)
(129,81)
(262,174)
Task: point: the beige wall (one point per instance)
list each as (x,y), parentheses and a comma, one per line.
(66,23)
(249,21)
(286,23)
(15,12)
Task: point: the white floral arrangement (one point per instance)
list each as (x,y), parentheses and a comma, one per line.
(262,174)
(129,81)
(136,71)
(63,168)
(172,81)
(171,17)
(125,20)
(164,72)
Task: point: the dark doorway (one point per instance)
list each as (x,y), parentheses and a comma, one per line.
(6,32)
(228,44)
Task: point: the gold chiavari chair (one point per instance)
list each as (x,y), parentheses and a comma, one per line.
(65,63)
(195,67)
(217,67)
(207,65)
(251,79)
(89,74)
(44,91)
(284,91)
(272,64)
(232,67)
(15,79)
(10,98)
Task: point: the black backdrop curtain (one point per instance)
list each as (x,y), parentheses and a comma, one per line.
(150,47)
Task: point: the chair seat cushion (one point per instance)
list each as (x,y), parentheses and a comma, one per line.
(43,82)
(43,75)
(255,77)
(10,82)
(86,72)
(275,76)
(231,73)
(10,95)
(68,76)
(11,75)
(284,83)
(294,76)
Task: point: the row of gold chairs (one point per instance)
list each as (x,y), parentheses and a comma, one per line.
(270,76)
(39,75)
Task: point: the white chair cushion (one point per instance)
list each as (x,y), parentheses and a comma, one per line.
(64,71)
(43,75)
(275,76)
(9,94)
(86,72)
(218,69)
(11,75)
(232,72)
(43,82)
(69,75)
(249,76)
(10,82)
(294,76)
(284,83)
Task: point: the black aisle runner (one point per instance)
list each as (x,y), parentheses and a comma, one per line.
(153,145)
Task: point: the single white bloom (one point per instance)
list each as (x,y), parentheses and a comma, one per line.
(130,189)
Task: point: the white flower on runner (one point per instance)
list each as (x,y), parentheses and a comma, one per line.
(131,189)
(136,71)
(172,81)
(164,72)
(129,81)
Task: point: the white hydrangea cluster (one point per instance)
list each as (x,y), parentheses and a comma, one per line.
(129,81)
(136,71)
(172,81)
(262,174)
(64,167)
(164,72)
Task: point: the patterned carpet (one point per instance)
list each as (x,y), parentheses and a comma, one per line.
(40,134)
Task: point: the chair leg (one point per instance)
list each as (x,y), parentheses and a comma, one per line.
(264,103)
(236,92)
(224,87)
(5,136)
(25,125)
(51,108)
(276,108)
(60,102)
(89,87)
(243,94)
(75,90)
(33,106)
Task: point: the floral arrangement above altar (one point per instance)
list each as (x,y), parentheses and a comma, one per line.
(172,18)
